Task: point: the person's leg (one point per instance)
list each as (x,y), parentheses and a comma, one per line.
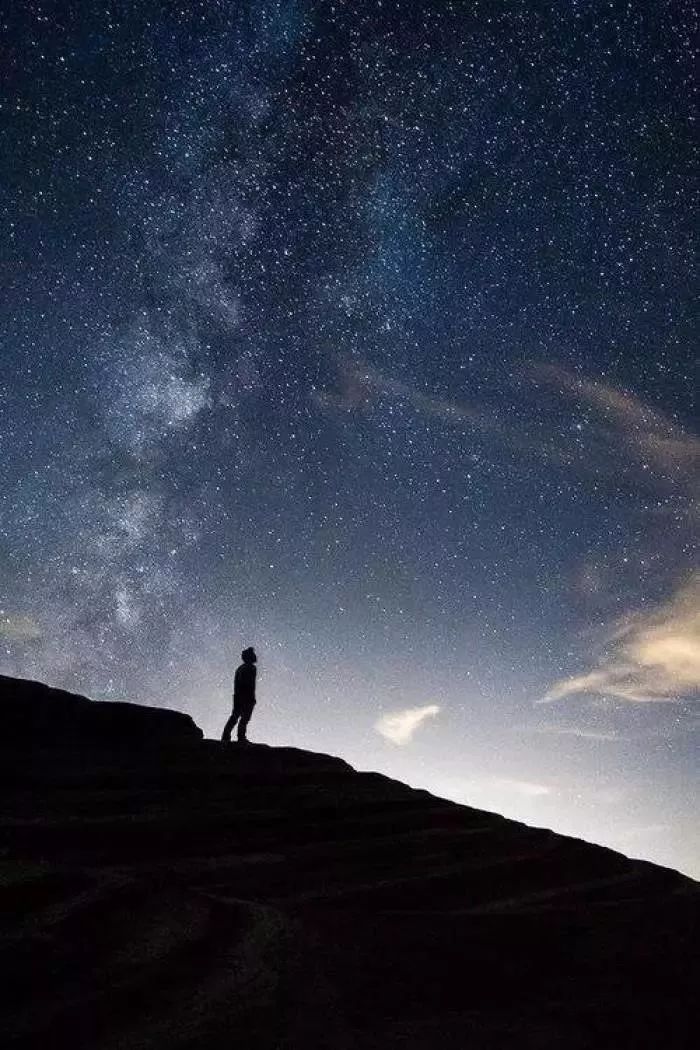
(243,722)
(228,728)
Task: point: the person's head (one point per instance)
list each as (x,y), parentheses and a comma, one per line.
(248,655)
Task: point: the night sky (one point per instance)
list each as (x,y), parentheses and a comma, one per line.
(362,333)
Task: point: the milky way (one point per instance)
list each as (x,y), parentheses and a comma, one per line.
(363,333)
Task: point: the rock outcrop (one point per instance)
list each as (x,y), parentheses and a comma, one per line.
(204,896)
(35,714)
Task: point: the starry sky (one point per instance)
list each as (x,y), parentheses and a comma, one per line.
(363,333)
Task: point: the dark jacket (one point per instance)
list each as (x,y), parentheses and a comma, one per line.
(244,684)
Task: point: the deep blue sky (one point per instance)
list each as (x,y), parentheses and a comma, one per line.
(363,333)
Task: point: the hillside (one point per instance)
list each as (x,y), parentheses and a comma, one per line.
(164,891)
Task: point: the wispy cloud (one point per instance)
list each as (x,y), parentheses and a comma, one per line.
(399,726)
(574,731)
(19,628)
(522,787)
(361,383)
(650,656)
(620,424)
(658,444)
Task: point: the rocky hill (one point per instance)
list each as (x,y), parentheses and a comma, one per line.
(163,891)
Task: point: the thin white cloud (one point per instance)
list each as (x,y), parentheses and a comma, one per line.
(493,792)
(360,384)
(19,628)
(522,787)
(575,731)
(651,656)
(660,449)
(659,445)
(399,726)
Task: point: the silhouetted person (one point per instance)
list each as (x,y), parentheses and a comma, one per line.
(243,696)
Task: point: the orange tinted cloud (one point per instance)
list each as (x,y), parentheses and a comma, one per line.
(651,656)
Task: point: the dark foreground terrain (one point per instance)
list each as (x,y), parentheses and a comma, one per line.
(161,891)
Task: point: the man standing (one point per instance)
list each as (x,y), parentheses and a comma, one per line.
(243,697)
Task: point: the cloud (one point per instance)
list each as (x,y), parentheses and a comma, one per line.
(659,445)
(399,726)
(652,656)
(19,628)
(581,734)
(654,445)
(495,793)
(360,384)
(522,787)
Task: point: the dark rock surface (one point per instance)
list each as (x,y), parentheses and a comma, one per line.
(202,896)
(34,711)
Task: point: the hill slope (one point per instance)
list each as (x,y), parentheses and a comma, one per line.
(160,891)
